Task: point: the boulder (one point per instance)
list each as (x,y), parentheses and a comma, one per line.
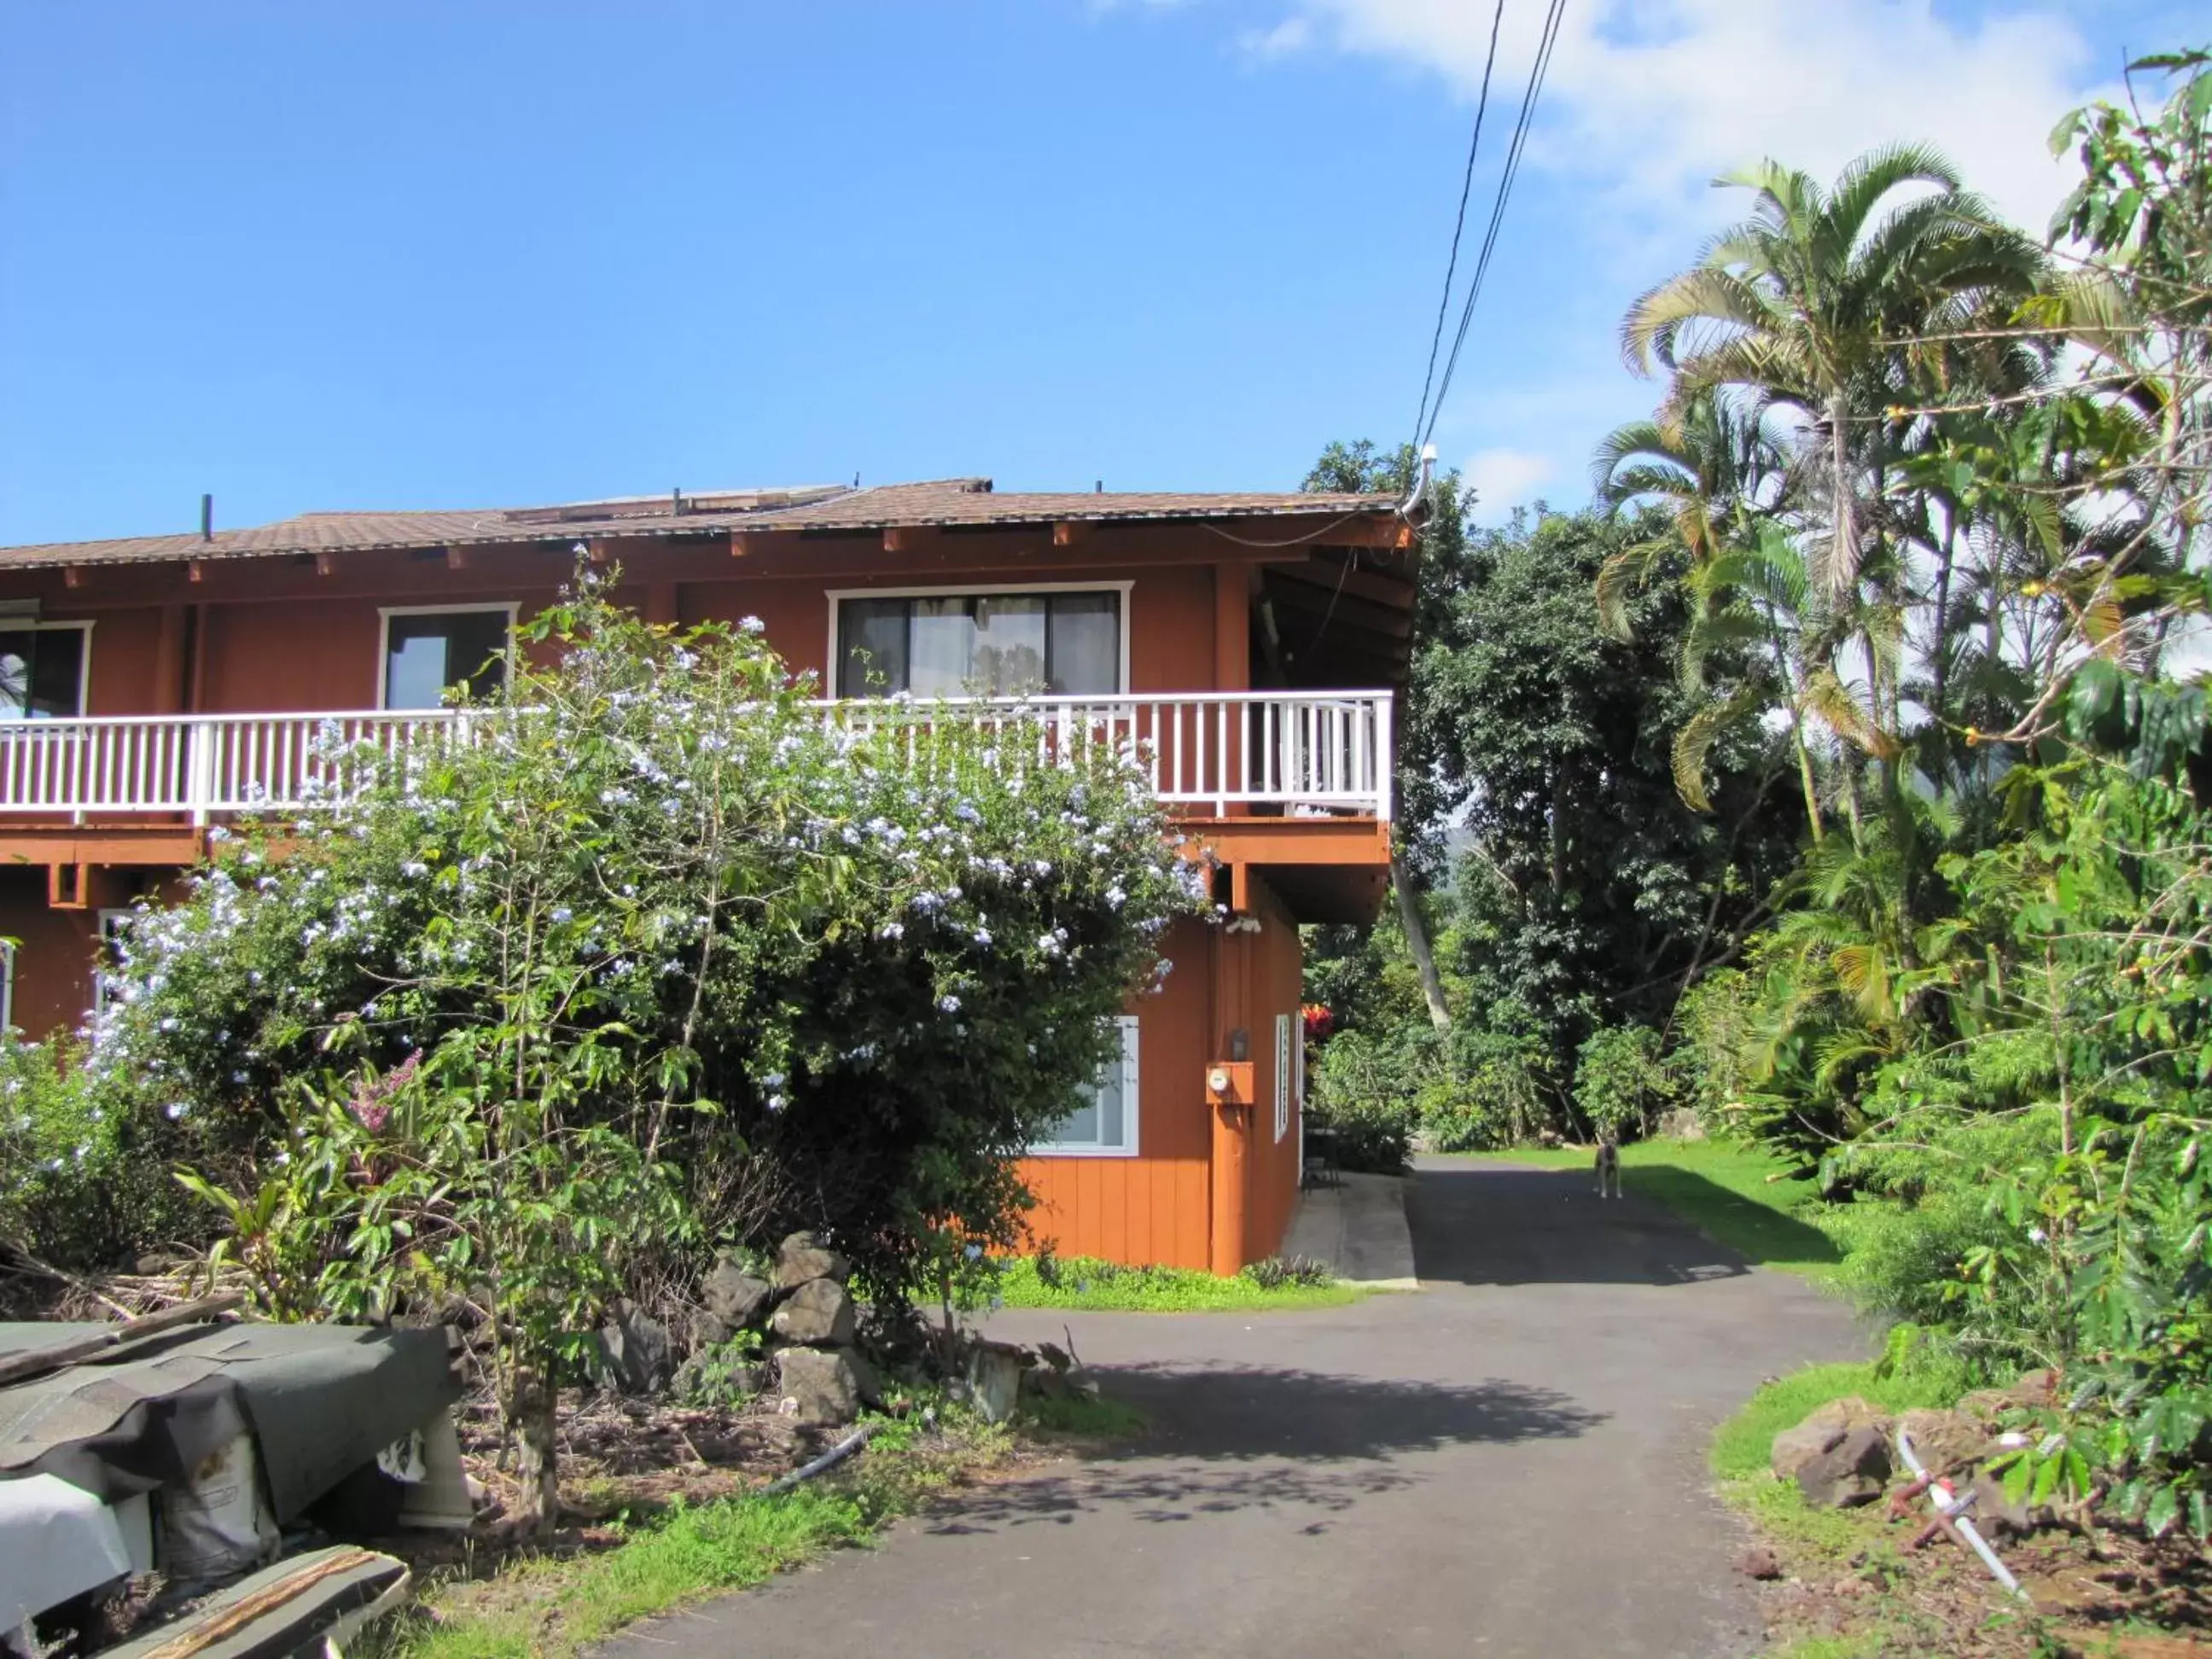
(716,1384)
(818,1386)
(1944,1440)
(866,1379)
(802,1257)
(636,1352)
(1821,1429)
(1997,1514)
(1852,1471)
(817,1315)
(733,1296)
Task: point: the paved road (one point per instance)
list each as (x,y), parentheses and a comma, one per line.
(1508,1462)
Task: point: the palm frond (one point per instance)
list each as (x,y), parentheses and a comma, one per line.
(1618,580)
(1830,700)
(1702,295)
(1695,741)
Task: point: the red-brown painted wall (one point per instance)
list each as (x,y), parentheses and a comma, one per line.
(1275,962)
(1152,1208)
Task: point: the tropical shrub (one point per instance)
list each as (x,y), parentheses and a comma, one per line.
(1621,1082)
(1363,1093)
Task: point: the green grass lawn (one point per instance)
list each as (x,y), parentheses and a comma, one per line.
(1107,1287)
(1743,1197)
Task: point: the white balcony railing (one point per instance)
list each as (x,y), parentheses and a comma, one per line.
(1283,751)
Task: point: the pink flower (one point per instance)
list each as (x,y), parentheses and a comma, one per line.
(371,1105)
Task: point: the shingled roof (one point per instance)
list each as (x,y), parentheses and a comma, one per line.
(945,501)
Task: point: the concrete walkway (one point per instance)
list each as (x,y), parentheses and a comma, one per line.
(1510,1462)
(1357,1224)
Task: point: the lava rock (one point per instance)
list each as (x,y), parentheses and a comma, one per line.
(734,1295)
(637,1354)
(1759,1562)
(818,1386)
(1944,1440)
(1852,1471)
(802,1257)
(1821,1429)
(817,1315)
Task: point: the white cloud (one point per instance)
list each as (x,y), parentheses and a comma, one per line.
(1502,479)
(1293,35)
(1656,97)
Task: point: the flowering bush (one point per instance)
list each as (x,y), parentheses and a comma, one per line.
(656,957)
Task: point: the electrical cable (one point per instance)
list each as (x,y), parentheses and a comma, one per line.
(1459,224)
(1547,43)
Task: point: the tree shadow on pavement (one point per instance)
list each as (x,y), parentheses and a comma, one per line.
(1512,1224)
(1229,1438)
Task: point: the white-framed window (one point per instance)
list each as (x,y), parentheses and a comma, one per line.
(108,954)
(1283,1064)
(1105,1124)
(45,667)
(1064,638)
(422,650)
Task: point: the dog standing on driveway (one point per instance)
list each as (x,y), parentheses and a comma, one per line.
(1609,1163)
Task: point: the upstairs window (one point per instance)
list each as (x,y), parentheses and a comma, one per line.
(428,652)
(950,645)
(1105,1124)
(42,669)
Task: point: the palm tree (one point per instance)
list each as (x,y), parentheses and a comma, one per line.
(1807,306)
(1711,466)
(1718,470)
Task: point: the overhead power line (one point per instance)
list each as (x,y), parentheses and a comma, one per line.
(1537,70)
(1459,223)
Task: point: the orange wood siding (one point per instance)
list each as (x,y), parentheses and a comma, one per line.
(1277,965)
(1152,1208)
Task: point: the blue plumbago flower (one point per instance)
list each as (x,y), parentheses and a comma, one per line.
(776,1102)
(891,930)
(563,913)
(982,936)
(973,1252)
(752,625)
(949,1004)
(175,1110)
(1115,898)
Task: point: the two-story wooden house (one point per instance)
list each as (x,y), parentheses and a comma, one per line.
(1252,644)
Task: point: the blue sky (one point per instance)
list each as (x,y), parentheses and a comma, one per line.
(418,254)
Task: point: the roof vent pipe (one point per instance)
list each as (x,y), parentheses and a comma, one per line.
(207,517)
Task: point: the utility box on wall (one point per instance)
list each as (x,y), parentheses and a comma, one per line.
(1229,1083)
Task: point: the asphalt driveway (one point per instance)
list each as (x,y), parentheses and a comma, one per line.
(1509,1462)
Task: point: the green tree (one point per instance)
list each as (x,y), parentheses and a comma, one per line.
(1588,891)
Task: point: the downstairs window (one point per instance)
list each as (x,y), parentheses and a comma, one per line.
(1105,1124)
